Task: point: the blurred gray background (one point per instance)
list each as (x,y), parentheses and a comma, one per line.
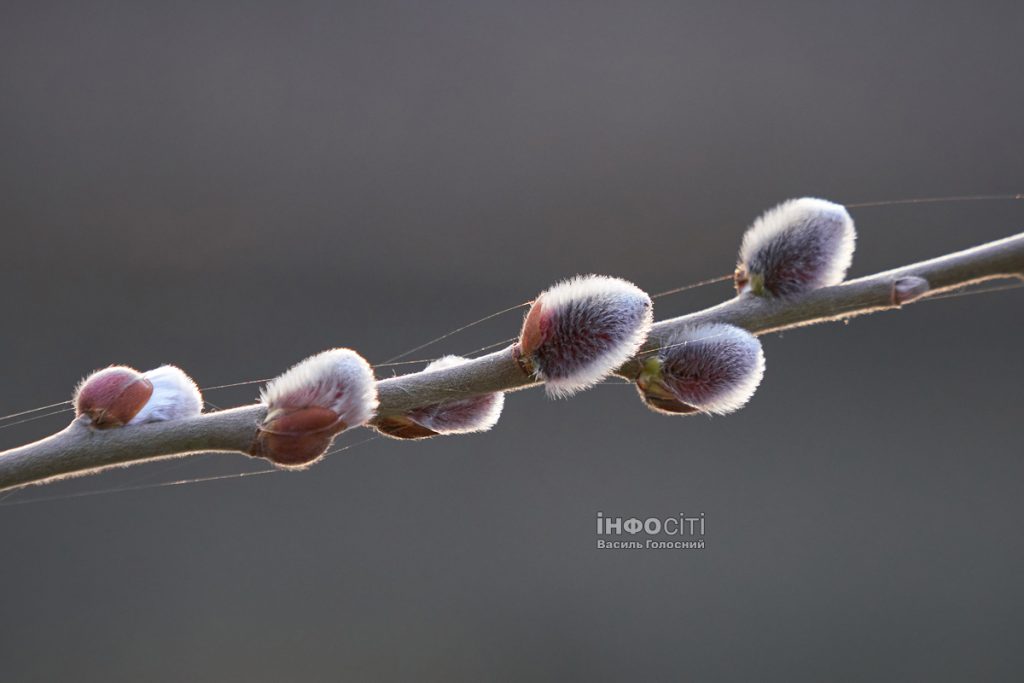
(234,186)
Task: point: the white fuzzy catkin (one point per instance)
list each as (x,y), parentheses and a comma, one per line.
(590,325)
(175,396)
(715,368)
(800,245)
(461,416)
(339,379)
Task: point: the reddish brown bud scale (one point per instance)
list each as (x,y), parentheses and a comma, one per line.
(402,427)
(113,396)
(665,405)
(533,329)
(298,438)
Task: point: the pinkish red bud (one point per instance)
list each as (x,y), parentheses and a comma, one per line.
(580,330)
(312,403)
(113,396)
(711,368)
(460,416)
(798,246)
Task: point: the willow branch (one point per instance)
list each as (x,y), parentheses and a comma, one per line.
(79,449)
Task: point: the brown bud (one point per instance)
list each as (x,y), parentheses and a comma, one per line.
(298,437)
(401,427)
(113,396)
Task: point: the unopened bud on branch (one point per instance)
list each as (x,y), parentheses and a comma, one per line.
(798,246)
(580,330)
(119,396)
(908,289)
(712,368)
(111,397)
(459,416)
(313,402)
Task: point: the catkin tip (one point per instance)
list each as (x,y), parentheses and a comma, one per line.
(175,396)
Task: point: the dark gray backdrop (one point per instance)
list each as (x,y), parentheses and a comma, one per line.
(234,186)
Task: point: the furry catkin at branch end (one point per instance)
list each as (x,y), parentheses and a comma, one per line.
(313,402)
(459,416)
(579,331)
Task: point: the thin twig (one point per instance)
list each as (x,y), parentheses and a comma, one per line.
(79,449)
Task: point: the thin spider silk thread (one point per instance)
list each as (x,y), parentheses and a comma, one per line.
(166,484)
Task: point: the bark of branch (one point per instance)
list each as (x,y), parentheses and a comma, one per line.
(79,449)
